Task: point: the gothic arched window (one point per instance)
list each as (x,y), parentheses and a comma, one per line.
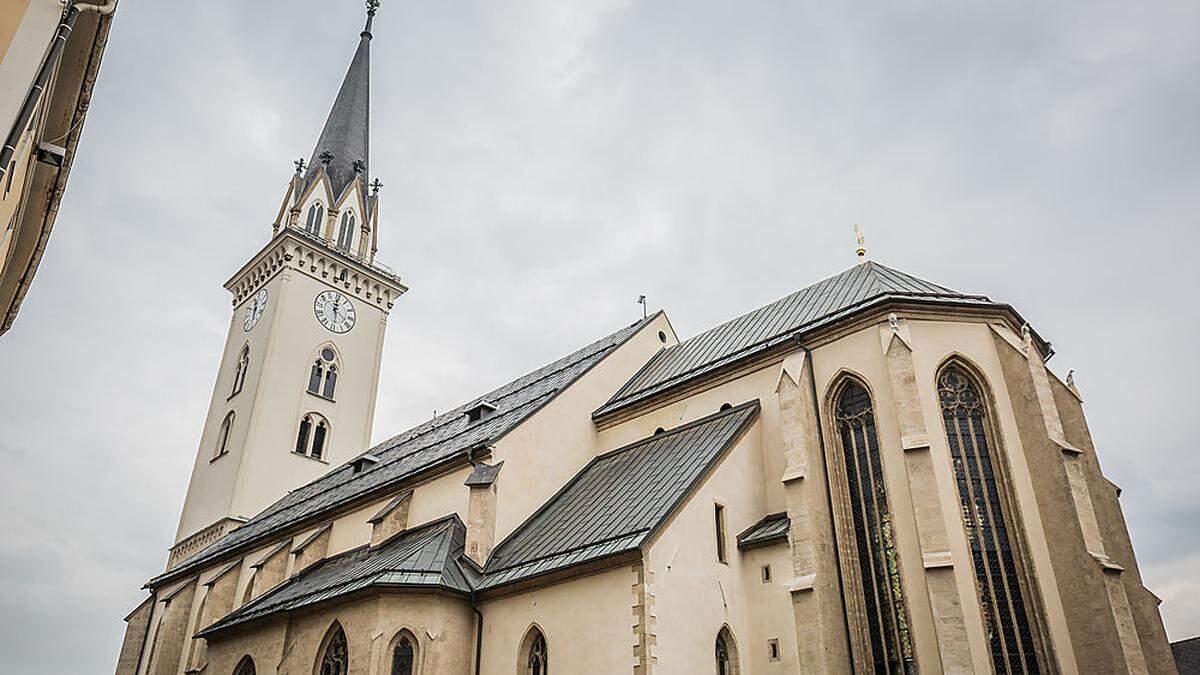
(726,653)
(316,213)
(882,596)
(536,654)
(239,375)
(404,655)
(312,436)
(322,377)
(984,505)
(245,666)
(335,660)
(222,446)
(345,235)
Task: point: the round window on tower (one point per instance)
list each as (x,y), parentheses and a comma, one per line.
(327,354)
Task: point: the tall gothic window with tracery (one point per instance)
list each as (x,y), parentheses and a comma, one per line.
(316,213)
(537,661)
(336,659)
(403,657)
(878,561)
(726,653)
(983,503)
(245,666)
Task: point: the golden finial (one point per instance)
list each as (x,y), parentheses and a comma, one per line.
(861,251)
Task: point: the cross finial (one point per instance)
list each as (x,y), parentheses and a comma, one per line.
(358,165)
(375,186)
(861,251)
(299,166)
(372,7)
(326,157)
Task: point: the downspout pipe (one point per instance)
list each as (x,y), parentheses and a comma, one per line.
(837,556)
(40,81)
(478,633)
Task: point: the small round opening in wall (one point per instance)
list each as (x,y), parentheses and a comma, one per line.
(327,354)
(662,337)
(658,431)
(726,406)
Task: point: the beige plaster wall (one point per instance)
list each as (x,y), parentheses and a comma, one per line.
(695,594)
(587,623)
(443,627)
(550,447)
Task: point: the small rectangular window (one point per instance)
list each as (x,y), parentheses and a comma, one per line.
(766,574)
(719,514)
(773,649)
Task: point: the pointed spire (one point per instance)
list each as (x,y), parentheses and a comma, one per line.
(344,145)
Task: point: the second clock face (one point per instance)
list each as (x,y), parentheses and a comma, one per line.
(255,309)
(334,311)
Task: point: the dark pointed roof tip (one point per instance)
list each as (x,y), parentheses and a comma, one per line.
(344,146)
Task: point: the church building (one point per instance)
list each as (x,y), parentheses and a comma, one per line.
(874,474)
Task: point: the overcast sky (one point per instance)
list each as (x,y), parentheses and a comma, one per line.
(547,161)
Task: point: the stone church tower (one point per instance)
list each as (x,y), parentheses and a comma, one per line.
(295,391)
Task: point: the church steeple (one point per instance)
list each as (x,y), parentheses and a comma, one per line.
(344,146)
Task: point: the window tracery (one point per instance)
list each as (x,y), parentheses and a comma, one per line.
(882,595)
(982,502)
(346,231)
(322,377)
(336,659)
(316,213)
(312,435)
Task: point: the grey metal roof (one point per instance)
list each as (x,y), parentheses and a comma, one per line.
(1187,656)
(347,131)
(437,441)
(819,304)
(484,475)
(616,502)
(424,557)
(769,530)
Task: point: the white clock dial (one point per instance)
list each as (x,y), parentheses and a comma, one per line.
(254,309)
(334,311)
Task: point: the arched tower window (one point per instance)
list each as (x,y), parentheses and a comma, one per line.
(984,505)
(404,655)
(726,653)
(335,659)
(312,436)
(322,377)
(345,235)
(245,666)
(239,375)
(316,214)
(222,445)
(882,596)
(535,654)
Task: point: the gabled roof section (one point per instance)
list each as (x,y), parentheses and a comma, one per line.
(820,304)
(439,441)
(347,132)
(767,531)
(618,501)
(426,557)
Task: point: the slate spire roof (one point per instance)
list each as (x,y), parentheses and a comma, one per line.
(820,304)
(346,135)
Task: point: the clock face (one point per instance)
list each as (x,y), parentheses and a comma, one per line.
(254,309)
(334,311)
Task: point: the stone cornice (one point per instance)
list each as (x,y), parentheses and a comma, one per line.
(370,282)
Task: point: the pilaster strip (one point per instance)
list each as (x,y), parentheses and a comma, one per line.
(645,638)
(949,622)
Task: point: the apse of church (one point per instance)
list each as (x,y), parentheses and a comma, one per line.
(875,473)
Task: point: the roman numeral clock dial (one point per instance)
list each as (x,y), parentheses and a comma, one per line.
(255,309)
(334,311)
